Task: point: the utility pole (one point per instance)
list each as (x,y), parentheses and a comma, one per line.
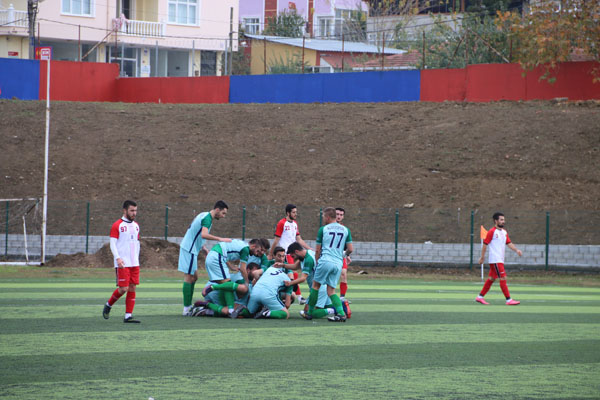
(32,9)
(230,41)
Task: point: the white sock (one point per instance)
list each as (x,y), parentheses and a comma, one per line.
(108,305)
(186,308)
(330,311)
(127,315)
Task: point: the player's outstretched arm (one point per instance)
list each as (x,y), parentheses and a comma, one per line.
(207,236)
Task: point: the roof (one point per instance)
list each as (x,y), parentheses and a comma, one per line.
(396,61)
(327,45)
(335,60)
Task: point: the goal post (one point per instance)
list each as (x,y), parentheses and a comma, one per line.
(22,225)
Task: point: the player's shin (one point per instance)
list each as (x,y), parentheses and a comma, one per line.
(337,303)
(319,313)
(280,314)
(188,294)
(312,300)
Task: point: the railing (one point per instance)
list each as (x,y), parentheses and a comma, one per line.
(12,17)
(133,27)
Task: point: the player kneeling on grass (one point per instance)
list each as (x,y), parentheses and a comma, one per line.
(497,239)
(323,307)
(265,301)
(214,302)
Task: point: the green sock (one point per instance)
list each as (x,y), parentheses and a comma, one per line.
(229,299)
(319,313)
(188,294)
(228,286)
(246,313)
(312,300)
(337,303)
(279,314)
(215,307)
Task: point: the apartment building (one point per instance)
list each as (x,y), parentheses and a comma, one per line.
(324,18)
(145,37)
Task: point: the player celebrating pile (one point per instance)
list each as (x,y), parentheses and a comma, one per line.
(496,239)
(331,239)
(125,247)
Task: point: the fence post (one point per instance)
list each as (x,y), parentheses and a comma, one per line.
(396,240)
(547,237)
(244,223)
(320,217)
(87,227)
(471,256)
(6,234)
(166,221)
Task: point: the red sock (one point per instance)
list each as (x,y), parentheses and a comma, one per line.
(486,287)
(129,302)
(115,296)
(504,288)
(343,288)
(298,291)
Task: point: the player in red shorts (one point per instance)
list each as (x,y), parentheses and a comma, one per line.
(340,213)
(125,247)
(497,239)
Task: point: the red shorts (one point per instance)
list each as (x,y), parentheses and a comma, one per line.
(127,276)
(497,271)
(289,259)
(345,265)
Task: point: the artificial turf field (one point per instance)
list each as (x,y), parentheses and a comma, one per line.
(407,338)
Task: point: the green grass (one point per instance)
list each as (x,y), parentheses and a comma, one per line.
(407,338)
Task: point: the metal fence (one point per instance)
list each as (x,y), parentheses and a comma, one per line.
(404,225)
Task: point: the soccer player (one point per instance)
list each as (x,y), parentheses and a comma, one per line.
(331,239)
(497,239)
(308,264)
(191,245)
(286,233)
(125,247)
(218,261)
(266,294)
(340,213)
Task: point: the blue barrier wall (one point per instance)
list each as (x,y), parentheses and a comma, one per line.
(374,86)
(19,79)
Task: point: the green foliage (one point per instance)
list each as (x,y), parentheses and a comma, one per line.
(292,64)
(287,24)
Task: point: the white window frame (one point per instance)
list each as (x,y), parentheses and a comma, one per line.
(254,24)
(327,30)
(91,14)
(176,3)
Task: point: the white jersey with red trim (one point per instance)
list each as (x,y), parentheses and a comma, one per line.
(496,240)
(127,235)
(286,231)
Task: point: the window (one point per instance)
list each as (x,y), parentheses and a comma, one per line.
(183,12)
(325,24)
(344,21)
(208,63)
(77,7)
(252,26)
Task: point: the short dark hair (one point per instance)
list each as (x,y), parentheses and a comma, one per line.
(340,209)
(265,243)
(257,241)
(289,208)
(129,203)
(221,205)
(278,249)
(252,266)
(293,247)
(497,216)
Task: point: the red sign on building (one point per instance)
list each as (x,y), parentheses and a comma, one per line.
(43,53)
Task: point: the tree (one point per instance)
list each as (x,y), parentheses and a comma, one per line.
(552,31)
(286,24)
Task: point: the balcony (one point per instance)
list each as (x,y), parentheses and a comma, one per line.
(132,27)
(11,17)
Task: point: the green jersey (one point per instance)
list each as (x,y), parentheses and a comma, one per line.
(308,266)
(192,242)
(333,239)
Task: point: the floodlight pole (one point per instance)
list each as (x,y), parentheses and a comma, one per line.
(45,208)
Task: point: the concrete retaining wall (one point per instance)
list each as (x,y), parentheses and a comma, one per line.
(370,252)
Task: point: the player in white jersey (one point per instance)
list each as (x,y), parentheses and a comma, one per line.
(497,239)
(192,244)
(286,233)
(125,247)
